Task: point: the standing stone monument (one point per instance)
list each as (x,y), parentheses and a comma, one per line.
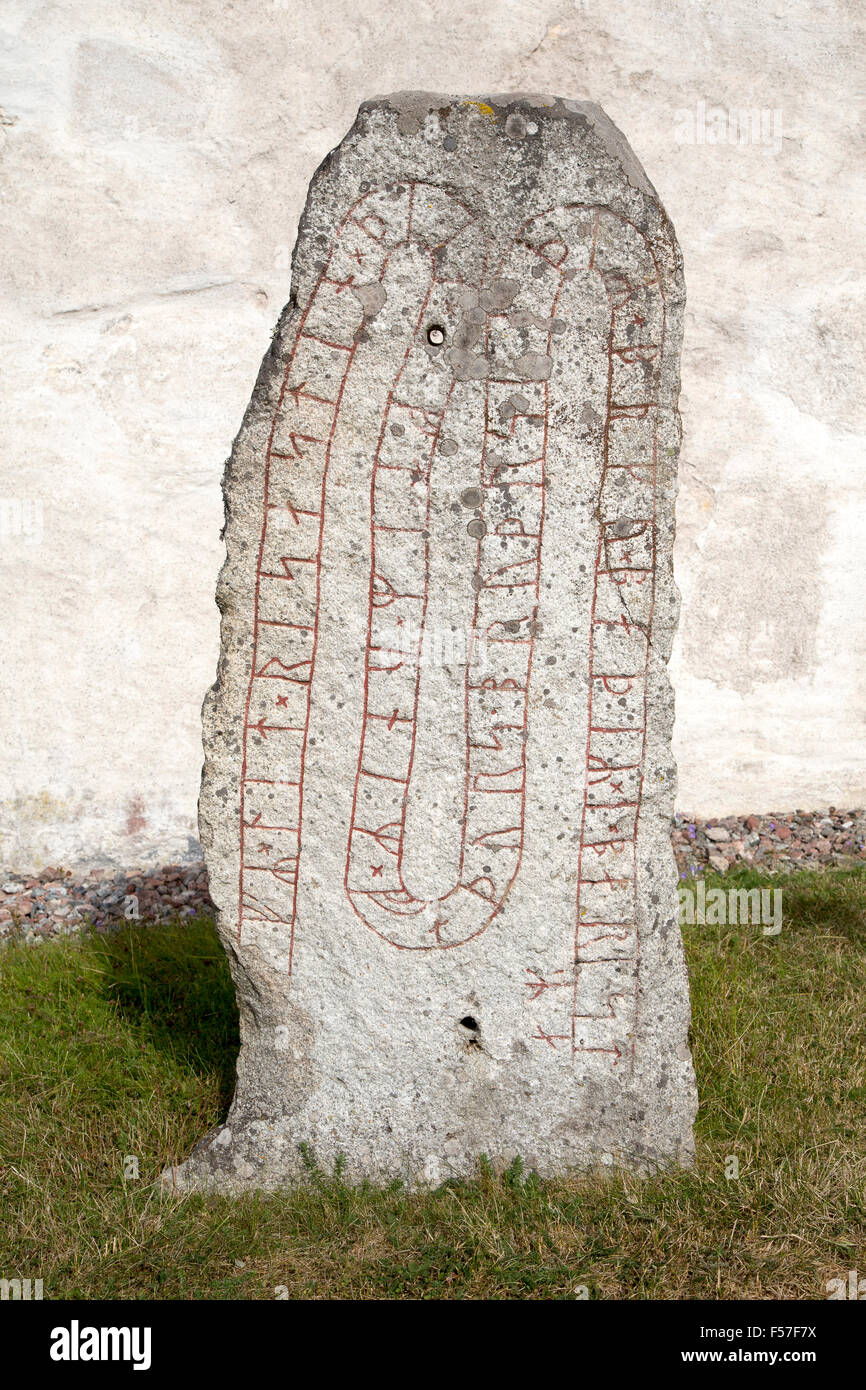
(438,779)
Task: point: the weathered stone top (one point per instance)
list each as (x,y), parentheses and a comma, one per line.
(517,115)
(509,153)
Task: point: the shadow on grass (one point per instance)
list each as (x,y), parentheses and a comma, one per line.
(173,982)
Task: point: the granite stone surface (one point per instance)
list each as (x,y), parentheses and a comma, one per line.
(438,782)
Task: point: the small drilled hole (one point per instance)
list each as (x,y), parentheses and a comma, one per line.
(469,1022)
(435,335)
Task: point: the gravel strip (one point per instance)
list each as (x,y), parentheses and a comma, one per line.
(58,902)
(798,840)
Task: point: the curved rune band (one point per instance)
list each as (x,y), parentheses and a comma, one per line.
(514,405)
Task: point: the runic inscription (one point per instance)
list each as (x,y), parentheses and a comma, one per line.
(438,780)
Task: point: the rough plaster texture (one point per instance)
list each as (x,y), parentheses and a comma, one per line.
(155,160)
(438,781)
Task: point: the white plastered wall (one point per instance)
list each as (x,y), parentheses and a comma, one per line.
(154,162)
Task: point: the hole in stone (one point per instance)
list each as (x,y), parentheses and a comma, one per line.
(435,335)
(470,1023)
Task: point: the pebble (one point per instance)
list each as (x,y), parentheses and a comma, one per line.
(59,902)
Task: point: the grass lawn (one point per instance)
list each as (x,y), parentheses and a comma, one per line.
(125,1045)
